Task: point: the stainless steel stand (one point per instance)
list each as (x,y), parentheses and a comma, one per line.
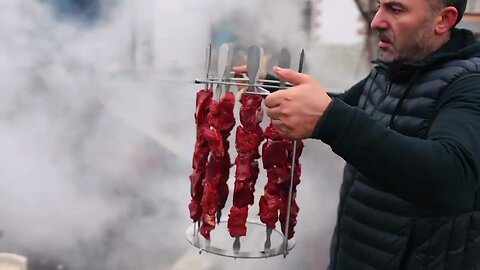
(221,244)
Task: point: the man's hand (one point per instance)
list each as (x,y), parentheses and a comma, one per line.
(296,111)
(243,70)
(240,69)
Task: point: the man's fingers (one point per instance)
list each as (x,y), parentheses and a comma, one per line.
(274,99)
(292,76)
(242,89)
(283,130)
(240,69)
(274,113)
(279,126)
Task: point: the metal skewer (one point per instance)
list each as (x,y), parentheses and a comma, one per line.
(236,245)
(215,80)
(255,54)
(199,81)
(292,175)
(219,216)
(283,62)
(208,63)
(224,66)
(254,58)
(290,193)
(268,242)
(259,80)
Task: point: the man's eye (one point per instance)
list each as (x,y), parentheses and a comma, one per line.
(395,10)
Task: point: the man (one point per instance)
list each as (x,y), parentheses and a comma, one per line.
(410,134)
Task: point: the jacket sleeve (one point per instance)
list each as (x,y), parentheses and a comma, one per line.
(440,172)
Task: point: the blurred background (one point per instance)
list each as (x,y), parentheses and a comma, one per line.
(97,128)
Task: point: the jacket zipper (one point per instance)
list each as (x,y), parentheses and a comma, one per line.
(389,87)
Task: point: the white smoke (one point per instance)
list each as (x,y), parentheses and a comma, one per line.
(96,137)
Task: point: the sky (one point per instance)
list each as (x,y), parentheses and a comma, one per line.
(339,17)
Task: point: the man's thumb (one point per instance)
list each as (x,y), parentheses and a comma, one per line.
(291,76)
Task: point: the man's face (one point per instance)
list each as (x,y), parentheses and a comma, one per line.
(405,28)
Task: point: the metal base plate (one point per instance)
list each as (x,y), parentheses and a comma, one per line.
(251,245)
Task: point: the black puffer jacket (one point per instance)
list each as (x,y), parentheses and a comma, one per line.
(410,135)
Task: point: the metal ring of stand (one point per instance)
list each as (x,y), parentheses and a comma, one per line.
(278,248)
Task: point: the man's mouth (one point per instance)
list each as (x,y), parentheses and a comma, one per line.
(384,42)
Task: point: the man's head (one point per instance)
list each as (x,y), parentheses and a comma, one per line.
(409,30)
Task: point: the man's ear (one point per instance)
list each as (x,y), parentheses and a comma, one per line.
(446,20)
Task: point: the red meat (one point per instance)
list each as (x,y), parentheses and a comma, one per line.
(221,115)
(215,193)
(237,220)
(248,139)
(215,141)
(200,154)
(277,154)
(269,205)
(251,112)
(293,218)
(204,98)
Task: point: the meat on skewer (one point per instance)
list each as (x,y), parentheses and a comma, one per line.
(248,138)
(277,154)
(220,123)
(200,154)
(274,157)
(285,193)
(236,221)
(211,164)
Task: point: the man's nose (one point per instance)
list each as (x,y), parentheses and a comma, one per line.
(379,22)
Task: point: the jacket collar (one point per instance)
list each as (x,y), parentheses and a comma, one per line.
(462,45)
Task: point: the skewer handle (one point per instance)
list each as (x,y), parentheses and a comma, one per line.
(208,63)
(254,58)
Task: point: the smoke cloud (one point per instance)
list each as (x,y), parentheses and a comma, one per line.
(97,133)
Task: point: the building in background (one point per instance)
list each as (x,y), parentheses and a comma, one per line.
(471,19)
(311,25)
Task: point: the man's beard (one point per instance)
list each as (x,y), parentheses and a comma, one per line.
(415,50)
(420,48)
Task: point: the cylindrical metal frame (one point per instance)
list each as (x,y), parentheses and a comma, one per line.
(197,240)
(286,244)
